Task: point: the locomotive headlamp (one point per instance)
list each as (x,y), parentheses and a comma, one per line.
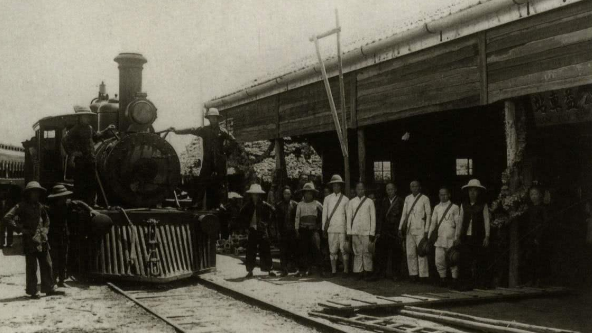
(141,111)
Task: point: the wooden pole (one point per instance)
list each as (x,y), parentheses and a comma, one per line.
(362,154)
(343,114)
(511,150)
(281,173)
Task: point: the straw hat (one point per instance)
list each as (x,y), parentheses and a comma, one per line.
(474,183)
(255,189)
(336,179)
(309,187)
(58,191)
(33,185)
(212,112)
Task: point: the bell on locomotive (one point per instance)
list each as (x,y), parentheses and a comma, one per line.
(129,174)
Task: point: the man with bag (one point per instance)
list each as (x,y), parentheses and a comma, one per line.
(444,233)
(414,227)
(334,224)
(33,222)
(388,243)
(361,226)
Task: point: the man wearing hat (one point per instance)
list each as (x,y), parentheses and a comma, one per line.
(256,217)
(79,143)
(474,235)
(334,223)
(388,243)
(361,227)
(33,222)
(414,225)
(60,213)
(307,225)
(212,178)
(285,215)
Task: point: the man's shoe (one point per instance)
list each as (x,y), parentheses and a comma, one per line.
(61,284)
(414,278)
(272,274)
(249,275)
(283,274)
(36,296)
(442,283)
(360,277)
(55,293)
(298,274)
(9,246)
(373,278)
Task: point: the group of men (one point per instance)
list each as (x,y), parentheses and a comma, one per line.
(378,235)
(45,234)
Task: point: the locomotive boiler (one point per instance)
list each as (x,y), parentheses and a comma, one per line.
(138,234)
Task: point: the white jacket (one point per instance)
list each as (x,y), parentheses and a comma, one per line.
(365,222)
(339,220)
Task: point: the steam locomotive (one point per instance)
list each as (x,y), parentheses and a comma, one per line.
(142,233)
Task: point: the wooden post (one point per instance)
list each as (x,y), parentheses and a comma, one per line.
(281,172)
(362,154)
(343,114)
(511,150)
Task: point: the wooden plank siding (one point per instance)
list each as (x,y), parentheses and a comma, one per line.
(434,79)
(545,52)
(253,121)
(306,110)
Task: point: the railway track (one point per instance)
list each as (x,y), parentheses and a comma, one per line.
(192,307)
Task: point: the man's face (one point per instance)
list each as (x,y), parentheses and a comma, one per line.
(287,194)
(336,188)
(415,187)
(326,191)
(85,120)
(390,190)
(360,190)
(308,196)
(303,179)
(535,196)
(473,193)
(214,121)
(34,195)
(255,197)
(444,195)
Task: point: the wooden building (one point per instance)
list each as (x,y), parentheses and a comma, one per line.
(503,87)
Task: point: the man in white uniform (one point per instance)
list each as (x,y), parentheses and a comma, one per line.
(334,224)
(361,225)
(414,225)
(443,229)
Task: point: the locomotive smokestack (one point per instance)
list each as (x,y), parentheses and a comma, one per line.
(130,82)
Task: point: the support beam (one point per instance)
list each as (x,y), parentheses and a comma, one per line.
(362,154)
(281,171)
(511,151)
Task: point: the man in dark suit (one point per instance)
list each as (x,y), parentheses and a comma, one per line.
(388,243)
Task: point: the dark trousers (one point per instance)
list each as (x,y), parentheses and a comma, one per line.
(44,260)
(6,233)
(388,251)
(59,256)
(535,265)
(258,242)
(474,266)
(85,182)
(288,249)
(310,249)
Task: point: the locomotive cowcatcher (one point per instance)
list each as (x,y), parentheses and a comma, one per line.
(141,232)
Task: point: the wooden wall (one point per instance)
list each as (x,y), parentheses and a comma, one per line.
(435,79)
(253,121)
(549,51)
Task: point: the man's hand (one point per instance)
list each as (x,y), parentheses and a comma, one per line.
(111,127)
(486,242)
(172,129)
(372,238)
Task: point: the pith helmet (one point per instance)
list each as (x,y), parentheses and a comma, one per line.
(423,248)
(255,189)
(58,191)
(212,112)
(81,110)
(336,179)
(309,187)
(33,185)
(475,183)
(452,256)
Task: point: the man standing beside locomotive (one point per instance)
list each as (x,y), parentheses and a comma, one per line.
(334,224)
(33,222)
(212,178)
(79,143)
(414,226)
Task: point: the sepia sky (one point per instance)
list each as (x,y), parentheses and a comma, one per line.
(54,54)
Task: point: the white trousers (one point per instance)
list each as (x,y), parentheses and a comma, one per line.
(441,263)
(415,263)
(337,243)
(362,257)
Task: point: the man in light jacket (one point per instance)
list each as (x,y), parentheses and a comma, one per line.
(414,225)
(361,225)
(334,224)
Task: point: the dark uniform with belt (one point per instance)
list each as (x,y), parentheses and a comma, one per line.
(212,177)
(285,214)
(388,245)
(33,221)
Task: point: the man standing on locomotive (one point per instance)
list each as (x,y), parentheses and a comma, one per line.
(33,222)
(79,143)
(256,216)
(212,178)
